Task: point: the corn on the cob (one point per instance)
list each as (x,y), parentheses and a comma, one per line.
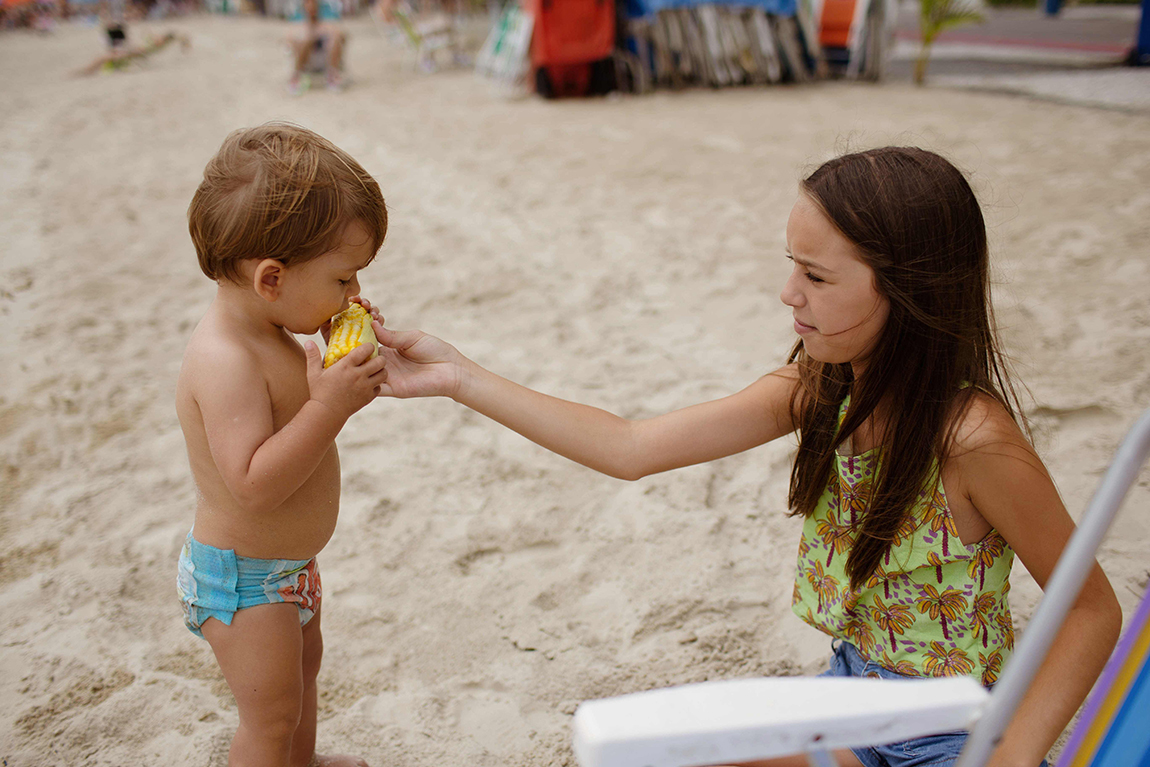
(349,329)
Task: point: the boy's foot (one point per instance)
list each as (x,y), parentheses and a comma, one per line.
(336,760)
(335,82)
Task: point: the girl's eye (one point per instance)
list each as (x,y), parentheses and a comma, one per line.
(808,275)
(345,283)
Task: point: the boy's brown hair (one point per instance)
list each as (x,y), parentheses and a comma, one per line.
(279,191)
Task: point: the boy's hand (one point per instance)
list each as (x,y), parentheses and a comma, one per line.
(349,384)
(418,365)
(372,310)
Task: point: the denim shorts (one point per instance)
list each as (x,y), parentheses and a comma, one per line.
(940,750)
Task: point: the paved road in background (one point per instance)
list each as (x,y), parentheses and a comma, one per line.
(1073,57)
(1085,28)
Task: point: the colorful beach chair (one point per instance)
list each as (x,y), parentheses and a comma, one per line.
(746,719)
(1114,730)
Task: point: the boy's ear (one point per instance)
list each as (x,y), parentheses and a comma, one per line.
(267,279)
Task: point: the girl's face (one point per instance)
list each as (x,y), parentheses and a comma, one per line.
(837,309)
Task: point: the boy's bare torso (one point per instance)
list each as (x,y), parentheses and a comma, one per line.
(301,526)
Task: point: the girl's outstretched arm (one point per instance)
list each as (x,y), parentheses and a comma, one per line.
(419,365)
(1007,483)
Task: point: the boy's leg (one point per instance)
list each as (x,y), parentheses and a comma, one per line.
(260,655)
(303,741)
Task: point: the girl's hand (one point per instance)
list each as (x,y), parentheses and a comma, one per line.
(325,328)
(349,384)
(418,365)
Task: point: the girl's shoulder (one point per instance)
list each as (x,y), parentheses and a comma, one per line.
(983,428)
(991,471)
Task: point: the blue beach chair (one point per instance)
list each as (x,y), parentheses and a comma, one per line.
(746,719)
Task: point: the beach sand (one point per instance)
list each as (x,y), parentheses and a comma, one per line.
(625,252)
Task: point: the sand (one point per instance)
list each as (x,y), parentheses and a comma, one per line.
(625,252)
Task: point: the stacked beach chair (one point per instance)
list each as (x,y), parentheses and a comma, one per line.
(718,45)
(580,47)
(856,36)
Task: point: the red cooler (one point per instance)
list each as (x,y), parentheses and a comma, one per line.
(570,37)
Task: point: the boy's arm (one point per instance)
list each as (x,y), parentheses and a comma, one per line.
(262,467)
(420,365)
(1010,487)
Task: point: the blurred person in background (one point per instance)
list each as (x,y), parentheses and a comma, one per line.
(317,48)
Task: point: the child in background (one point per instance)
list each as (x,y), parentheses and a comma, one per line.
(916,482)
(317,47)
(283,222)
(115,27)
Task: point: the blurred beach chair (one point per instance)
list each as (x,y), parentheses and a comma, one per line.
(505,56)
(433,36)
(742,720)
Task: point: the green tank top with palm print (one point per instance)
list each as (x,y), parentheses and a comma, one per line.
(934,607)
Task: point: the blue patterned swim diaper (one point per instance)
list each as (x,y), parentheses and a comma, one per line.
(216,583)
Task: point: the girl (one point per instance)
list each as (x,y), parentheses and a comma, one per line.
(915,479)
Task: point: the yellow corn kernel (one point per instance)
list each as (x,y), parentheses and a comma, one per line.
(349,329)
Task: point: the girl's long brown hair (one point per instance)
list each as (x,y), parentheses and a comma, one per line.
(915,221)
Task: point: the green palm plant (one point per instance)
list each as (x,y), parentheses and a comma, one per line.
(938,16)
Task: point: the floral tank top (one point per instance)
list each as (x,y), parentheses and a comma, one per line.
(934,607)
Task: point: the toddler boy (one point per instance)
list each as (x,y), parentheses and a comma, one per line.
(283,222)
